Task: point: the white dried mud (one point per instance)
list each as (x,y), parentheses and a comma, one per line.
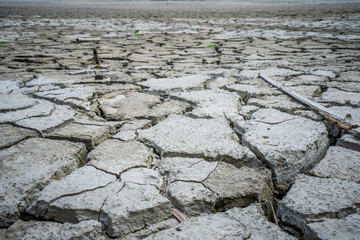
(59,116)
(312,198)
(90,135)
(174,115)
(350,114)
(114,156)
(338,97)
(86,230)
(12,135)
(186,169)
(350,142)
(196,138)
(285,149)
(339,163)
(347,228)
(75,183)
(282,102)
(239,187)
(210,103)
(40,109)
(168,85)
(196,186)
(237,223)
(82,206)
(192,198)
(15,101)
(27,169)
(133,208)
(138,105)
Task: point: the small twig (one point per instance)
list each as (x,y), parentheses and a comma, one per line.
(179,215)
(272,208)
(96,57)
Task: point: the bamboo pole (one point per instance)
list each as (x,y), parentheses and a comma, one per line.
(325,112)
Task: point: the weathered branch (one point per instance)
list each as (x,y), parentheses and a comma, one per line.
(314,105)
(96,57)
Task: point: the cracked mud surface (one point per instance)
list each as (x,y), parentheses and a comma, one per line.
(175,116)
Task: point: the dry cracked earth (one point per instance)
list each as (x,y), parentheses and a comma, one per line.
(168,121)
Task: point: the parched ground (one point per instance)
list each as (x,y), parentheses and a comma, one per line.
(174,119)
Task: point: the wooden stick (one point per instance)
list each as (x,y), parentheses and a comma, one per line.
(96,57)
(314,105)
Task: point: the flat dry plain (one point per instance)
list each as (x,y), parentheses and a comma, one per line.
(170,133)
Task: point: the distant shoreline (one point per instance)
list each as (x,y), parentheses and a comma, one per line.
(196,9)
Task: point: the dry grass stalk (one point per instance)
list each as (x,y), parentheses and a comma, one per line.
(273,211)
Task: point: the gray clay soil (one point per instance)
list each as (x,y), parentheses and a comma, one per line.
(174,116)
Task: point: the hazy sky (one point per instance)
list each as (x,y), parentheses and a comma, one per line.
(217,1)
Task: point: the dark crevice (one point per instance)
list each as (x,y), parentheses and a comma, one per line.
(107,172)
